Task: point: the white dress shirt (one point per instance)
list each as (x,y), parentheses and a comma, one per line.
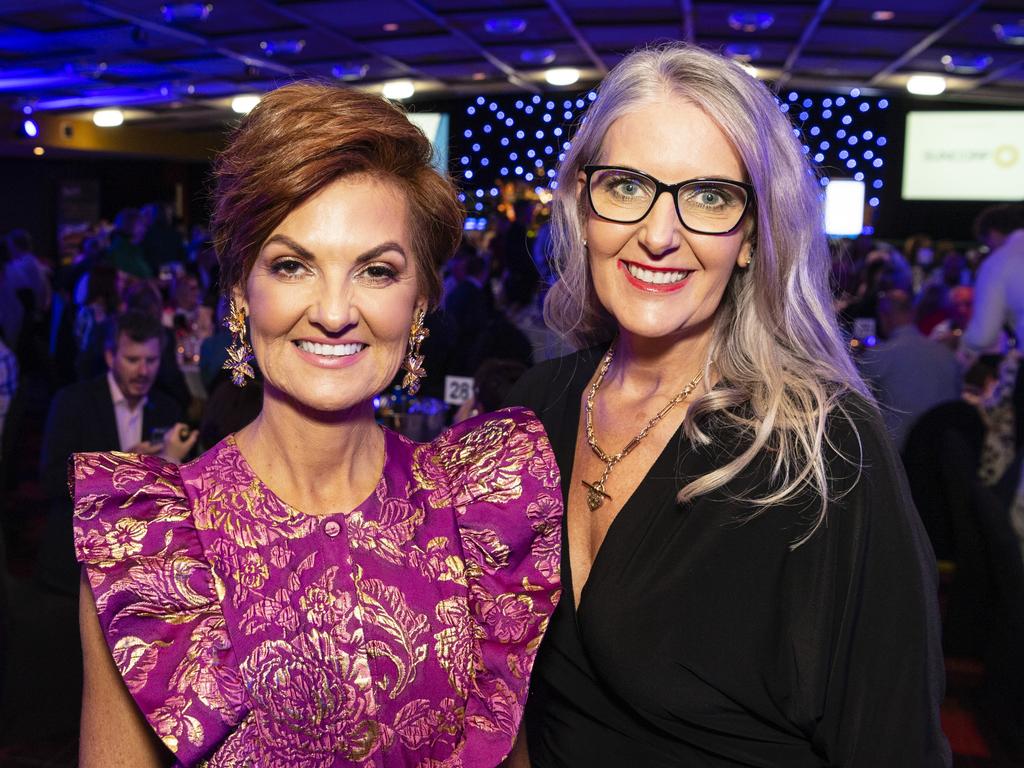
(129,421)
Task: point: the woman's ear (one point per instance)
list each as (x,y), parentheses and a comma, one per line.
(238,298)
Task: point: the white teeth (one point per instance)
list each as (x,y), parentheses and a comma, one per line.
(330,350)
(656,278)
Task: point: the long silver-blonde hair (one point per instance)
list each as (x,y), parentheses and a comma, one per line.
(776,345)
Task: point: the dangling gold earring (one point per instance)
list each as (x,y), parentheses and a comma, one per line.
(413,364)
(239,353)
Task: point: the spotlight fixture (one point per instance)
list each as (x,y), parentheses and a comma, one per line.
(883,16)
(1011,34)
(282,47)
(540,56)
(38,151)
(750,21)
(390,27)
(562,76)
(245,103)
(29,128)
(177,12)
(396,90)
(107,118)
(926,85)
(966,64)
(505,25)
(350,71)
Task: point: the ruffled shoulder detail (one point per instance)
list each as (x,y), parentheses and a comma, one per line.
(499,474)
(157,598)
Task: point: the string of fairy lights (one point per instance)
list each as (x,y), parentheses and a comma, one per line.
(521,139)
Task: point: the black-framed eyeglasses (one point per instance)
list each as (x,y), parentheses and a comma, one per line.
(706,206)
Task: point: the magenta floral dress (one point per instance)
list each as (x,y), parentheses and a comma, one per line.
(401,633)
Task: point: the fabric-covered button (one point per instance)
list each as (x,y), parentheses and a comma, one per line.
(331,528)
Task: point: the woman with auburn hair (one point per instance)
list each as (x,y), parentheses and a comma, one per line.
(746,579)
(316,590)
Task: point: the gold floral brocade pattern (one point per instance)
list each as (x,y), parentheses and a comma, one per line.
(400,633)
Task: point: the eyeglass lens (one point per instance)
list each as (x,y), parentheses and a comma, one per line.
(626,196)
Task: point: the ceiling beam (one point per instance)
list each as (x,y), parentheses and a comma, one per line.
(581,41)
(329,31)
(805,37)
(925,42)
(686,9)
(188,37)
(513,76)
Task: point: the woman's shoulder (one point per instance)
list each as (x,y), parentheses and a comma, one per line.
(504,455)
(157,597)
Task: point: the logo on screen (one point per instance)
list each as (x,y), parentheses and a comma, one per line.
(1006,156)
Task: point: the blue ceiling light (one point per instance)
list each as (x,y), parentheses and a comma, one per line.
(531,153)
(535,99)
(282,47)
(476,147)
(546,118)
(537,56)
(469,174)
(518,170)
(554,185)
(548,149)
(793,96)
(464,160)
(503,171)
(479,206)
(528,177)
(500,115)
(539,134)
(824,145)
(494,191)
(877,162)
(505,25)
(877,184)
(841,134)
(549,106)
(493,107)
(742,51)
(966,64)
(826,113)
(519,104)
(868,154)
(462,197)
(883,103)
(847,120)
(484,161)
(858,176)
(520,134)
(513,156)
(855,92)
(557,131)
(852,140)
(504,141)
(467,133)
(480,100)
(881,141)
(509,121)
(566,104)
(479,193)
(867,135)
(487,128)
(750,21)
(826,103)
(818,158)
(580,103)
(807,103)
(352,71)
(470,110)
(843,155)
(592,95)
(815,130)
(864,106)
(803,116)
(840,101)
(784,107)
(873,202)
(1011,34)
(567,115)
(29,128)
(174,13)
(851,163)
(529,109)
(823,181)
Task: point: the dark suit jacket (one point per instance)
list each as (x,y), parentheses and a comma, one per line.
(81,419)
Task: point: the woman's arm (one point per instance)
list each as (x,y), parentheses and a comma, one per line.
(519,757)
(113,733)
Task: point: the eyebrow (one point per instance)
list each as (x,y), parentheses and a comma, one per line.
(362,258)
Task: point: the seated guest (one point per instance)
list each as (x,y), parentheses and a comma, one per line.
(909,373)
(117,410)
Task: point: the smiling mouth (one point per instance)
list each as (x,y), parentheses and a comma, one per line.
(656,277)
(330,350)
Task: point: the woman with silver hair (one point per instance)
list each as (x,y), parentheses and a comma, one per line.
(746,579)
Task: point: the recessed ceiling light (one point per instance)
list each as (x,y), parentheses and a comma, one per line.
(505,25)
(396,90)
(350,71)
(245,103)
(174,12)
(750,21)
(883,16)
(479,75)
(562,75)
(539,56)
(38,151)
(1011,34)
(107,118)
(743,51)
(966,64)
(926,85)
(282,47)
(29,128)
(390,27)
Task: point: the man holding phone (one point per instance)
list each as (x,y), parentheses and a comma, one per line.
(115,411)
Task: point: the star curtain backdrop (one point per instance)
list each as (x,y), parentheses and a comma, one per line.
(522,139)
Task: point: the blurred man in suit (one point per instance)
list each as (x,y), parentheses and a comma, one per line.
(116,411)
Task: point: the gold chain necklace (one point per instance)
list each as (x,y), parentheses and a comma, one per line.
(595,491)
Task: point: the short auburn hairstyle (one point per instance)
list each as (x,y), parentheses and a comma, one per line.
(302,137)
